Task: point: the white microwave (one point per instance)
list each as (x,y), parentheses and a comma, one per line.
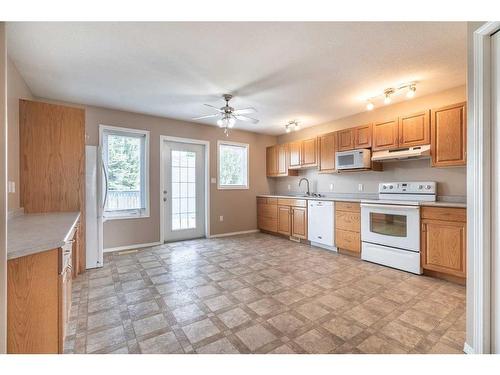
(353,159)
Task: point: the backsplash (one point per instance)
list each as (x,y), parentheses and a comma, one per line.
(451,181)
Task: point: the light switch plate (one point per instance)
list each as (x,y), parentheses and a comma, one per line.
(213,180)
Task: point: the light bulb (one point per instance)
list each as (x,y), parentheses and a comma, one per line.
(287,129)
(297,127)
(369,106)
(230,122)
(411,91)
(220,122)
(387,99)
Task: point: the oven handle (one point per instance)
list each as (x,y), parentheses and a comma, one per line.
(387,206)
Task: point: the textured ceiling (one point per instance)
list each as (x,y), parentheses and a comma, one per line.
(311,72)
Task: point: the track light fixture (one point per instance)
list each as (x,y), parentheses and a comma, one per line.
(390,91)
(292,125)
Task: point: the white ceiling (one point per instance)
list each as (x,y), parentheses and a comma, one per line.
(311,72)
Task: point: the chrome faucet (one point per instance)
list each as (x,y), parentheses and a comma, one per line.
(306,180)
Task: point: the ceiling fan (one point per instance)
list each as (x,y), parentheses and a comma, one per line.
(228,115)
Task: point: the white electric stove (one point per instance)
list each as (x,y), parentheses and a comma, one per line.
(390,226)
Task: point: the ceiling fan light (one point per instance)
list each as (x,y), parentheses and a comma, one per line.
(231,121)
(369,106)
(220,122)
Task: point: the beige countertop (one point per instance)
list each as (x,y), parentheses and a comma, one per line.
(34,233)
(358,199)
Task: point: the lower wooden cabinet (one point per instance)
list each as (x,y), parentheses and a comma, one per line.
(267,214)
(284,220)
(443,241)
(348,227)
(299,222)
(285,216)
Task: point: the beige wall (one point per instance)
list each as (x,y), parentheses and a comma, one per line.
(451,181)
(3,193)
(237,206)
(16,89)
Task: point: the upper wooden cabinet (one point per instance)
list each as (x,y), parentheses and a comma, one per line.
(352,138)
(414,129)
(277,160)
(326,152)
(363,136)
(449,135)
(385,135)
(309,152)
(345,139)
(295,149)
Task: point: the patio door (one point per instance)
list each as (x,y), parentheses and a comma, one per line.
(184,190)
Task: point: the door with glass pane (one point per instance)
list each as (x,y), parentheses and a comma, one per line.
(184,193)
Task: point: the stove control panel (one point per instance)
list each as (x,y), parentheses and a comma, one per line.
(414,187)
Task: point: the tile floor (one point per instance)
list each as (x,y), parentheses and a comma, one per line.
(259,294)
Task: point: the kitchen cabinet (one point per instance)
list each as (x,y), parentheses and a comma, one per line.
(385,135)
(348,227)
(414,129)
(326,152)
(267,214)
(449,135)
(354,138)
(52,158)
(309,152)
(295,149)
(39,300)
(292,217)
(444,242)
(277,161)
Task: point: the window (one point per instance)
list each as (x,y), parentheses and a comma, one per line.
(183,190)
(126,166)
(233,165)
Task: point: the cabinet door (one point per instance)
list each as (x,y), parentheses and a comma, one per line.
(267,217)
(282,162)
(449,135)
(295,153)
(385,135)
(345,139)
(271,161)
(284,220)
(363,136)
(309,153)
(443,247)
(326,145)
(299,222)
(414,129)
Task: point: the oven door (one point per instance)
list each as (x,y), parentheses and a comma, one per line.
(391,225)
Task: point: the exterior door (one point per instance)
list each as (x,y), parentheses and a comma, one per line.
(184,193)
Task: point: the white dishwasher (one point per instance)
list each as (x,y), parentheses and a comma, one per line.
(321,224)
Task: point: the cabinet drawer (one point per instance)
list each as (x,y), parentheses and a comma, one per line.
(444,213)
(267,200)
(292,202)
(348,206)
(348,221)
(268,224)
(348,240)
(267,210)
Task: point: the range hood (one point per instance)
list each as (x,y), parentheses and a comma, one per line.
(415,152)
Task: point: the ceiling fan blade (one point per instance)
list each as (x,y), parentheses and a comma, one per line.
(246,119)
(245,111)
(214,107)
(207,116)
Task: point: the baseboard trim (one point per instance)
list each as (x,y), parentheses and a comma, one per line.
(234,233)
(468,349)
(131,247)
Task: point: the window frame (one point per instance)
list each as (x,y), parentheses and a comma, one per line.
(232,187)
(145,165)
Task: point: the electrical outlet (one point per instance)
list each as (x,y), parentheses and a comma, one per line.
(221,218)
(331,187)
(360,187)
(11,187)
(289,187)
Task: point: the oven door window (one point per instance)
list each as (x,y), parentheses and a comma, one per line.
(388,224)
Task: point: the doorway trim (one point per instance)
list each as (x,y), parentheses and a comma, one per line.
(479,197)
(166,138)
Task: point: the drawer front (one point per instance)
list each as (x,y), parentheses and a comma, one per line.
(268,224)
(261,200)
(266,200)
(267,210)
(348,206)
(292,202)
(348,221)
(444,213)
(348,240)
